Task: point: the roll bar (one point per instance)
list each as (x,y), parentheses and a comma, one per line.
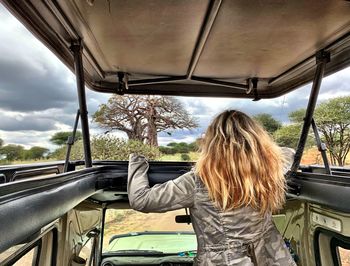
(79,73)
(322,58)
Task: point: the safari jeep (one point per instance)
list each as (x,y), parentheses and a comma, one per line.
(77,212)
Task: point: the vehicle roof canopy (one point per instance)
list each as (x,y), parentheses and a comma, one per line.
(191,47)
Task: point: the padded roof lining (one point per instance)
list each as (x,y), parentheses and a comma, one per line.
(140,36)
(264,38)
(213,47)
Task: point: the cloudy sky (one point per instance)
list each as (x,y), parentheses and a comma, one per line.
(38,93)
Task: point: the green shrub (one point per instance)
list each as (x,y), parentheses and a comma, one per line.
(167,150)
(193,146)
(179,147)
(106,147)
(185,157)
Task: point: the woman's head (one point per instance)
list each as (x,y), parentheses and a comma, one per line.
(240,164)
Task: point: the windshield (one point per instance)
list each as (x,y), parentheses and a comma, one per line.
(135,232)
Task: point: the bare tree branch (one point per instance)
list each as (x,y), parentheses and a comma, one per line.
(141,117)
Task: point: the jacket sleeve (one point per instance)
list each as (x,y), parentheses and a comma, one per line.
(288,158)
(171,195)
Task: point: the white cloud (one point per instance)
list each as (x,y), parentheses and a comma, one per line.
(163,141)
(28,138)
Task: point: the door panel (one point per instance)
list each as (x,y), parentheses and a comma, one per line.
(316,215)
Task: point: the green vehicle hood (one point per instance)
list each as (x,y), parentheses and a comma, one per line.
(166,242)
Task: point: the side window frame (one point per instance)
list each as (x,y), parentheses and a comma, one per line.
(54,232)
(37,244)
(337,240)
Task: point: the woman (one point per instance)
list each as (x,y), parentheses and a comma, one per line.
(235,186)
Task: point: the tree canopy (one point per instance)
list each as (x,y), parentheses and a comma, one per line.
(60,138)
(268,122)
(35,153)
(108,147)
(288,136)
(179,147)
(142,117)
(12,152)
(297,116)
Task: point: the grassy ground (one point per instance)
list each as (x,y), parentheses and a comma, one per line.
(172,158)
(3,162)
(177,157)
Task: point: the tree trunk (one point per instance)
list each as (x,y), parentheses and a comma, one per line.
(152,137)
(134,136)
(152,133)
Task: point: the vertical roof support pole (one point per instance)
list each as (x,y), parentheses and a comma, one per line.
(322,58)
(77,49)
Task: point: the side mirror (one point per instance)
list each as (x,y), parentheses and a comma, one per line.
(77,261)
(184,219)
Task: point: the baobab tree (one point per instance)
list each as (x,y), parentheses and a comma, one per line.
(142,117)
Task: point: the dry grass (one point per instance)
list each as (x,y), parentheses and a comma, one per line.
(27,161)
(313,156)
(177,157)
(344,256)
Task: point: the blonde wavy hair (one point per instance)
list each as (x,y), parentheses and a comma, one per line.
(241,165)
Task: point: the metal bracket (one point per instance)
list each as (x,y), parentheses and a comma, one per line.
(250,86)
(293,187)
(253,88)
(76,46)
(70,141)
(323,56)
(321,147)
(122,85)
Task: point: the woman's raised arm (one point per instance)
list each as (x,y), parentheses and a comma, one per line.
(171,195)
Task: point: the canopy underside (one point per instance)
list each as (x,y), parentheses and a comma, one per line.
(241,48)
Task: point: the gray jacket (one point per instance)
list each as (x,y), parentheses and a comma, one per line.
(237,237)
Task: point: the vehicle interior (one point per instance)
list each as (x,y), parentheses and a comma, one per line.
(211,48)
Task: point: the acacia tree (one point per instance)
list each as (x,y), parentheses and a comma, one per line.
(60,138)
(333,122)
(142,117)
